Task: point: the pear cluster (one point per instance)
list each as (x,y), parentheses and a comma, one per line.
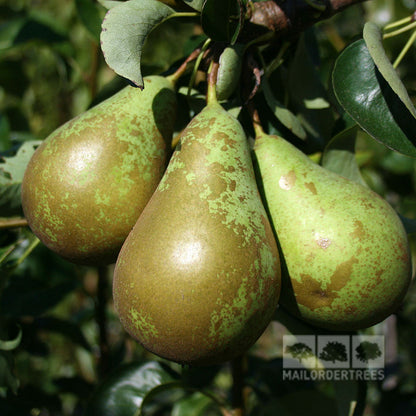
(207,243)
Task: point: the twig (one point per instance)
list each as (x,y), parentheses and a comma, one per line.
(12,223)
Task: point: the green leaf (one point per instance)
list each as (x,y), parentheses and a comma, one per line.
(195,4)
(125,391)
(11,175)
(194,405)
(109,4)
(339,156)
(374,40)
(307,95)
(285,116)
(124,31)
(4,133)
(12,343)
(370,101)
(89,15)
(216,19)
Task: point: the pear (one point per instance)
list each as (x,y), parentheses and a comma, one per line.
(344,247)
(87,183)
(198,279)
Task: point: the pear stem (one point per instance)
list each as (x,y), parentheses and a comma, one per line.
(212,82)
(255,118)
(183,67)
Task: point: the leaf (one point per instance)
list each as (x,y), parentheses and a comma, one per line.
(369,100)
(373,39)
(24,298)
(285,116)
(194,405)
(307,95)
(124,31)
(216,19)
(195,4)
(12,343)
(12,170)
(66,328)
(109,4)
(89,15)
(339,156)
(124,392)
(7,378)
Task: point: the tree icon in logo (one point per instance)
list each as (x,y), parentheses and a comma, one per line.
(334,351)
(367,351)
(299,351)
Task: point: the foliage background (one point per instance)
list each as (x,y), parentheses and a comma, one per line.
(51,69)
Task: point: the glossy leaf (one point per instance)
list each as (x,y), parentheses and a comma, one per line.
(124,31)
(216,19)
(125,391)
(370,101)
(373,39)
(339,156)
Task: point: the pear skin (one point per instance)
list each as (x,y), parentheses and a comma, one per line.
(198,279)
(88,182)
(345,250)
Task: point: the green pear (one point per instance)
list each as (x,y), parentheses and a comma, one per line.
(198,279)
(87,183)
(345,249)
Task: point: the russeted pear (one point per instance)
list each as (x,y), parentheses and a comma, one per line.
(345,249)
(87,183)
(198,279)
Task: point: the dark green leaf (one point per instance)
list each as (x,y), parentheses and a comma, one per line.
(307,95)
(373,39)
(12,343)
(5,142)
(339,156)
(409,224)
(124,392)
(89,15)
(216,19)
(370,101)
(285,116)
(23,297)
(34,30)
(7,378)
(63,327)
(124,31)
(11,175)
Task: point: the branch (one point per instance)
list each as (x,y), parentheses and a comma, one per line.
(285,17)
